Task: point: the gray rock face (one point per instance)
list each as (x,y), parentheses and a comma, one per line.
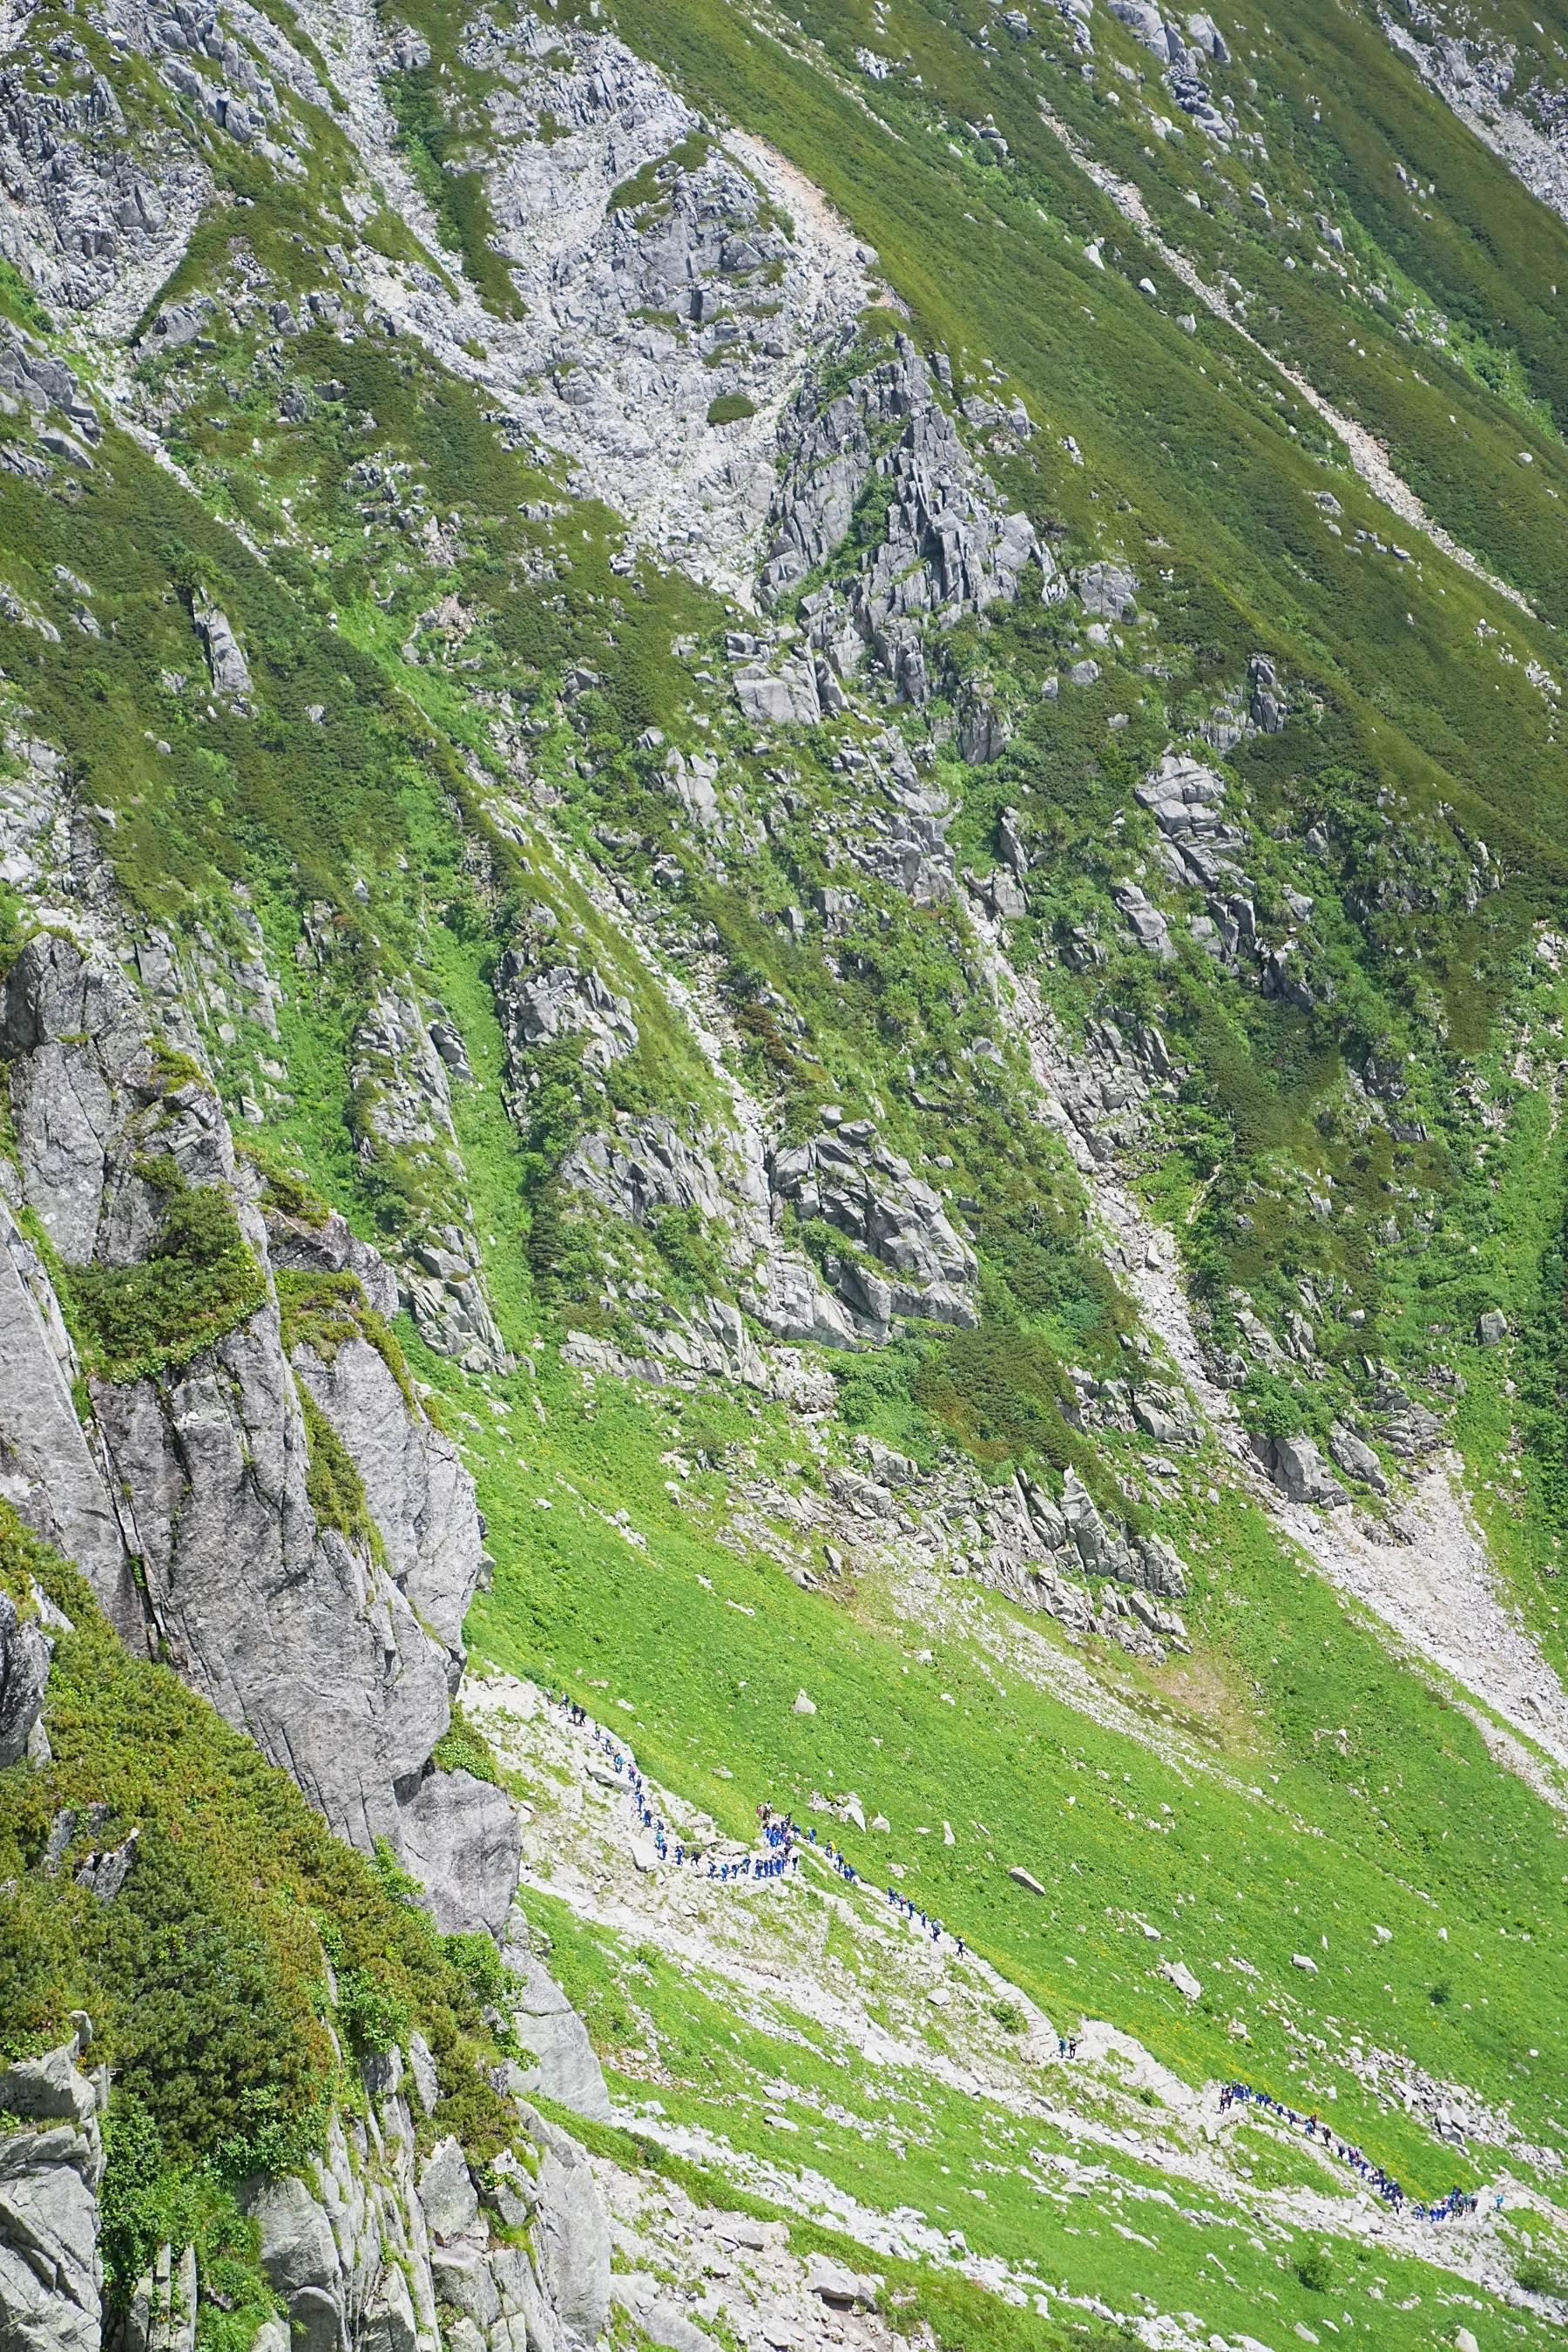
(574,2239)
(1147,923)
(298,2248)
(781,695)
(50,2089)
(446,2194)
(795,1308)
(875,1199)
(292,1634)
(1163,1571)
(389,2324)
(49,2276)
(546,2022)
(419,1494)
(689,780)
(162,2314)
(31,377)
(645,1166)
(904,844)
(536,1007)
(402,1080)
(81,1072)
(98,220)
(660,2320)
(396,2254)
(741,295)
(1408,1427)
(332,1248)
(1100,1552)
(25,1651)
(1108,589)
(463,1839)
(948,549)
(1187,800)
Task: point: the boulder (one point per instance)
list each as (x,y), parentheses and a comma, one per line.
(872,1196)
(1108,589)
(447,2197)
(50,2089)
(566,2068)
(835,2283)
(658,2318)
(1147,923)
(230,670)
(1408,1427)
(1176,1972)
(857,1494)
(50,2292)
(1492,1329)
(297,2250)
(1355,1457)
(462,1838)
(572,2239)
(1298,1470)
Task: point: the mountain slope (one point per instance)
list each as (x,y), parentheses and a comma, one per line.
(782,935)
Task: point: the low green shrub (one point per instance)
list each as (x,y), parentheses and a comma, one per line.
(333,1483)
(199,1282)
(1314,2266)
(463,1748)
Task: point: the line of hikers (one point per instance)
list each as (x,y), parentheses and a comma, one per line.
(1457,2200)
(912,1911)
(778,1830)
